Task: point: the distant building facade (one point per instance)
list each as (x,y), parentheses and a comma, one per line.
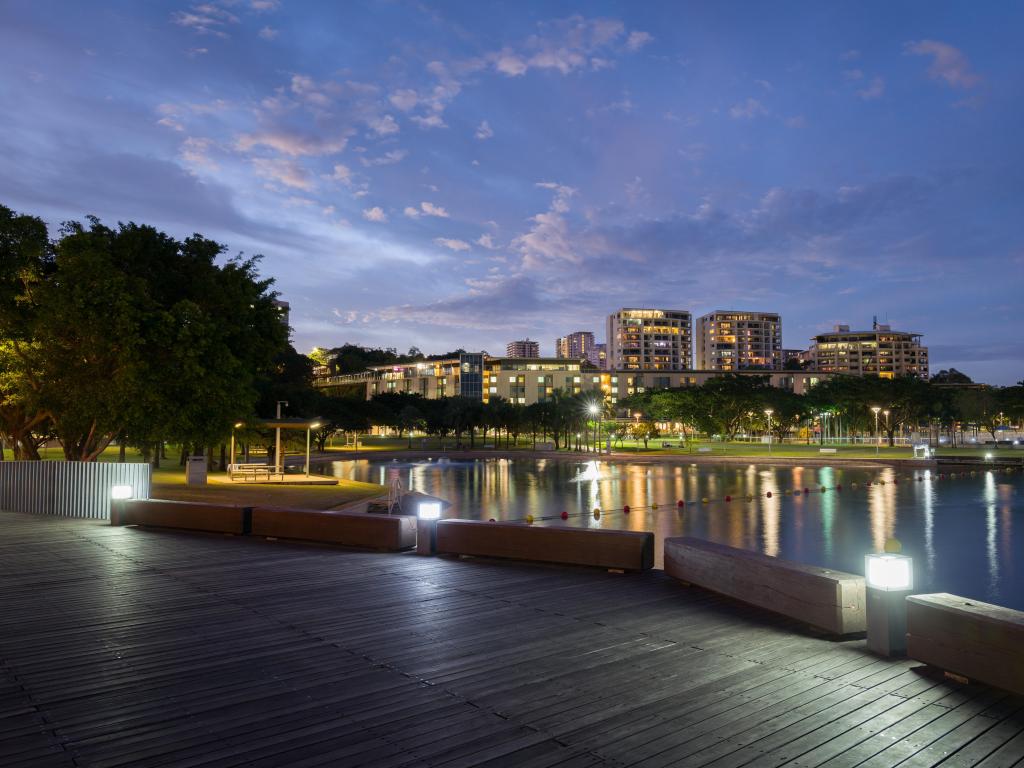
(650,340)
(580,346)
(523,348)
(736,341)
(879,352)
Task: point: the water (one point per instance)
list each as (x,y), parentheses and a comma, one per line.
(966,535)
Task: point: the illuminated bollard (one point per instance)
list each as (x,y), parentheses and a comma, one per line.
(119,494)
(427,515)
(889,579)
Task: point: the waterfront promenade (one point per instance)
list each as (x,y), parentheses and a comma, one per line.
(124,647)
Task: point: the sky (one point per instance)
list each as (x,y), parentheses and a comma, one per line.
(457,174)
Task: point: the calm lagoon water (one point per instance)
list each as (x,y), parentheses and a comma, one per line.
(966,535)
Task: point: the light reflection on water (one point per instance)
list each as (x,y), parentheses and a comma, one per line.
(959,531)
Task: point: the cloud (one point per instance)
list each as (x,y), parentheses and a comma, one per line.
(383,126)
(549,240)
(205,19)
(375,214)
(874,90)
(264,5)
(286,172)
(510,64)
(293,144)
(766,85)
(170,122)
(637,40)
(483,131)
(948,63)
(426,209)
(452,244)
(851,55)
(486,241)
(853,74)
(623,106)
(404,99)
(196,153)
(747,110)
(388,158)
(342,173)
(268,33)
(796,121)
(429,121)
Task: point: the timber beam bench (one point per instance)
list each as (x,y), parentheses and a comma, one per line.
(185,515)
(977,640)
(830,600)
(611,549)
(350,529)
(253,472)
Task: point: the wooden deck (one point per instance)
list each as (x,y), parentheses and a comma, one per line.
(122,647)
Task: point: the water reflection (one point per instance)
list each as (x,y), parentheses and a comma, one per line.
(959,532)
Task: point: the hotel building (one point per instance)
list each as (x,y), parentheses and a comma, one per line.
(524,348)
(879,352)
(734,341)
(530,380)
(650,340)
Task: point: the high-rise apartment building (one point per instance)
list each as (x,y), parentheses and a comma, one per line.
(879,352)
(735,341)
(523,348)
(579,346)
(650,339)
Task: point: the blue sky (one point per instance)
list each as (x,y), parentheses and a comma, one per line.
(462,174)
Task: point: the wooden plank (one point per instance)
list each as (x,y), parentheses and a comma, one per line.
(350,529)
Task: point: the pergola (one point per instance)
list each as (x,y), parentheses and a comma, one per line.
(277,425)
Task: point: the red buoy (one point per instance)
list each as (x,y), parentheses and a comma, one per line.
(769,494)
(728,498)
(626,509)
(680,503)
(565,515)
(491,520)
(807,490)
(895,481)
(839,487)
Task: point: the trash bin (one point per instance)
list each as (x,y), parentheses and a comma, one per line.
(195,470)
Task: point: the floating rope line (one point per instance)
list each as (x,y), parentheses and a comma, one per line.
(681,504)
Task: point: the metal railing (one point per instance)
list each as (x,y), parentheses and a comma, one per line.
(68,488)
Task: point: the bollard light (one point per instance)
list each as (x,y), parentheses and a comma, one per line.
(121,492)
(889,578)
(889,572)
(429,510)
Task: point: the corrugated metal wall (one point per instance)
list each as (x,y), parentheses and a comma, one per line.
(68,488)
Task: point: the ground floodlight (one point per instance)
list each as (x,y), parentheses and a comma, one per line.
(429,510)
(121,492)
(889,572)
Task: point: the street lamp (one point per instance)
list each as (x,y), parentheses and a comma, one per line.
(237,425)
(768,412)
(309,429)
(886,414)
(278,464)
(595,410)
(119,494)
(876,409)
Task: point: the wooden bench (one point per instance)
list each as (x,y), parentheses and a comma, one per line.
(830,600)
(967,637)
(186,515)
(350,529)
(703,450)
(253,472)
(826,450)
(617,550)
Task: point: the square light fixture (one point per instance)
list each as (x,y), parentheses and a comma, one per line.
(429,510)
(889,572)
(121,492)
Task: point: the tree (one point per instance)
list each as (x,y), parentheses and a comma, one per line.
(644,430)
(952,376)
(726,401)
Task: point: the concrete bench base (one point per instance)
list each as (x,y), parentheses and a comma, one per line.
(978,640)
(618,550)
(350,529)
(830,600)
(186,515)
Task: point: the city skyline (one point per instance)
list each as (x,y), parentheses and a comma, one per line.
(422,175)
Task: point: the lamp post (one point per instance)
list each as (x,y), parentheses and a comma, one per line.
(876,409)
(886,414)
(309,429)
(889,578)
(595,410)
(119,494)
(237,425)
(278,464)
(768,412)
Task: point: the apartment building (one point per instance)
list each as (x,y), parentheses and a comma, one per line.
(650,340)
(879,352)
(523,348)
(530,380)
(729,340)
(580,345)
